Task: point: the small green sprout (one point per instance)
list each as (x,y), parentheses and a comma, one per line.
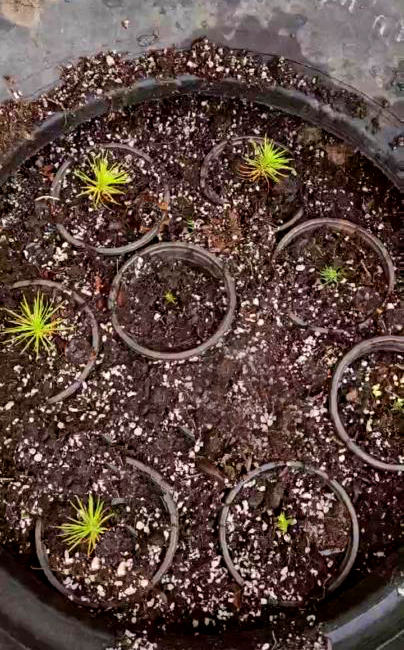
(190,224)
(331,275)
(102,187)
(170,298)
(88,527)
(34,325)
(283,523)
(268,162)
(398,405)
(376,392)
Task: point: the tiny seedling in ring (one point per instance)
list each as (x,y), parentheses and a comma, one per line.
(398,405)
(269,162)
(331,275)
(170,298)
(376,392)
(34,325)
(283,523)
(190,224)
(88,527)
(105,182)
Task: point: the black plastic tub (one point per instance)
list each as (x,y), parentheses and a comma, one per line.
(370,616)
(377,145)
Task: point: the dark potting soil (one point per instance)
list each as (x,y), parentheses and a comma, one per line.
(371,405)
(291,566)
(170,305)
(28,380)
(127,555)
(260,395)
(111,224)
(357,294)
(276,202)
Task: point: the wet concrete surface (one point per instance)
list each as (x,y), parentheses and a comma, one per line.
(359,42)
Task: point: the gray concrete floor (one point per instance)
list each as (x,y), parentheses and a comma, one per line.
(359,42)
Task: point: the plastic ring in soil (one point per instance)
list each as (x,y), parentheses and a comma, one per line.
(172,511)
(102,250)
(340,225)
(187,253)
(377,344)
(95,338)
(352,547)
(215,152)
